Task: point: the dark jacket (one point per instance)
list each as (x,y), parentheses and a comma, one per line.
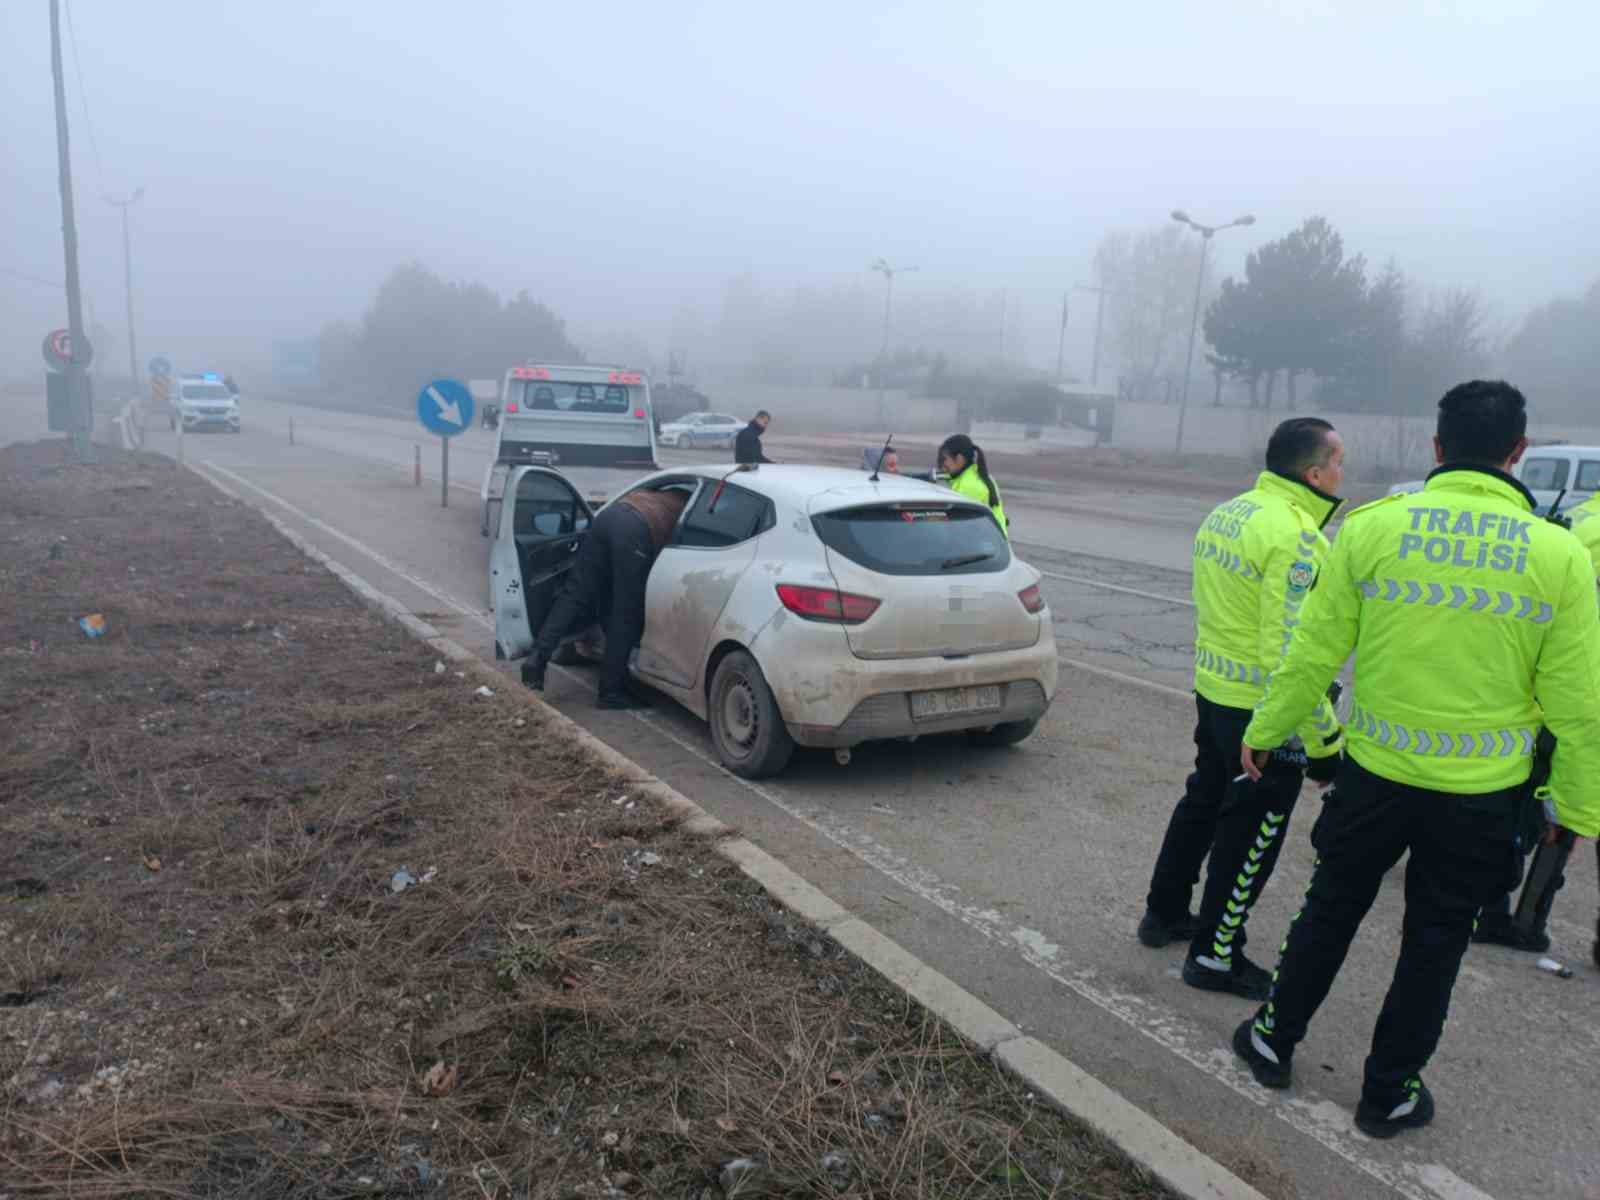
(660,511)
(747,446)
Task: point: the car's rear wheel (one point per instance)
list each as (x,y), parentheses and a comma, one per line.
(1008,733)
(746,727)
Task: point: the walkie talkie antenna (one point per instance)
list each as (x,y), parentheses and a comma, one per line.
(882,454)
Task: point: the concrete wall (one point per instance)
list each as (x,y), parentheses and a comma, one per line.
(1374,444)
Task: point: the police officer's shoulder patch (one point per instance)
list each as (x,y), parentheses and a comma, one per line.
(1301,576)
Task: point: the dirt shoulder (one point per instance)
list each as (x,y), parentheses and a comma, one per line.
(288,910)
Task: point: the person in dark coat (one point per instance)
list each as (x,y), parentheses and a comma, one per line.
(747,446)
(609,577)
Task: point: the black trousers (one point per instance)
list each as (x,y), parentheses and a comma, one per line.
(1240,824)
(1463,854)
(607,580)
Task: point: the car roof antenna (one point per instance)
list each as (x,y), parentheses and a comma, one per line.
(882,454)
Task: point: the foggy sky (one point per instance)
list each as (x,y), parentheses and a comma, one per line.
(619,160)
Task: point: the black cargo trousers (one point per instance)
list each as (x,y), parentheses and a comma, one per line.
(1240,824)
(607,581)
(1463,853)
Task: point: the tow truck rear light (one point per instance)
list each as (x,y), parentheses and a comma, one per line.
(625,377)
(638,414)
(529,373)
(826,604)
(1032,599)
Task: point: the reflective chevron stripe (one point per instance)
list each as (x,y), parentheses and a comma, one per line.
(1438,743)
(1229,560)
(1228,668)
(1237,909)
(1515,605)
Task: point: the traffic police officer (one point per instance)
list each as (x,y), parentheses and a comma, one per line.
(1460,606)
(1256,558)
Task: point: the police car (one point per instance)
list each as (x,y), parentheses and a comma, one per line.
(204,402)
(1554,471)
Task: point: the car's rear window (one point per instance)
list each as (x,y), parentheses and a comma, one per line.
(916,539)
(558,395)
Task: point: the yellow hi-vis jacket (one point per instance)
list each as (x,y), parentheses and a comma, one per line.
(1461,606)
(1586,524)
(970,483)
(1256,559)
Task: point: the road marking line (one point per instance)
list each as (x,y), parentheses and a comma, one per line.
(1113,587)
(1305,1113)
(1163,688)
(387,564)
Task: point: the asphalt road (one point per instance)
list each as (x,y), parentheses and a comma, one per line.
(1021,873)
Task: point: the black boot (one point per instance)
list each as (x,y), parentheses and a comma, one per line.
(533,668)
(1241,977)
(1156,931)
(1388,1118)
(1496,929)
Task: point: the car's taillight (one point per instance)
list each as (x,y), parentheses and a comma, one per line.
(511,408)
(1031,598)
(638,414)
(826,604)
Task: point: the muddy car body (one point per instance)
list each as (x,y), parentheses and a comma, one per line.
(806,606)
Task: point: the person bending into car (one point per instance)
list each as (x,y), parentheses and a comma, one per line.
(608,577)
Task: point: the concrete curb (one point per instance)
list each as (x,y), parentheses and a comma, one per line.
(1140,1136)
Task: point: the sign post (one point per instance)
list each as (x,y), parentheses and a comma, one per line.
(161,393)
(444,407)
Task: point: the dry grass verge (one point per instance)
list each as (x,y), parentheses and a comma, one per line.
(210,986)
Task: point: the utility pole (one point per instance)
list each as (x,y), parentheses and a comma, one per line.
(1099,326)
(1061,342)
(882,267)
(1206,233)
(76,372)
(127,272)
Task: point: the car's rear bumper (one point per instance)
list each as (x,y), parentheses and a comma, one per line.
(888,715)
(830,698)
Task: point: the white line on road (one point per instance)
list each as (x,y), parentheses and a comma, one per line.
(1115,587)
(1164,689)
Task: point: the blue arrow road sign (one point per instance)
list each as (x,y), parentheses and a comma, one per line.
(444,407)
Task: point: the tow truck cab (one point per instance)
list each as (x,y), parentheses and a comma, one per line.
(559,415)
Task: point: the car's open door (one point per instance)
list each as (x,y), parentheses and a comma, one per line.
(543,521)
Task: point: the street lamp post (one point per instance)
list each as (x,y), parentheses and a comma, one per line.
(127,270)
(882,267)
(1206,232)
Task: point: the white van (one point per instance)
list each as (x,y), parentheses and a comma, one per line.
(1553,471)
(568,416)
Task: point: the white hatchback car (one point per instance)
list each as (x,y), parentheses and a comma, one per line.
(701,431)
(806,606)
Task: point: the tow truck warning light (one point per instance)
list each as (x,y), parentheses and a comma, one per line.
(626,377)
(529,373)
(211,377)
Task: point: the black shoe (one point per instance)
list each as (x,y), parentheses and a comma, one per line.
(622,701)
(1268,1073)
(1498,930)
(1243,978)
(533,668)
(1386,1120)
(1156,931)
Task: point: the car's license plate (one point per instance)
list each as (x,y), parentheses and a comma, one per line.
(949,702)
